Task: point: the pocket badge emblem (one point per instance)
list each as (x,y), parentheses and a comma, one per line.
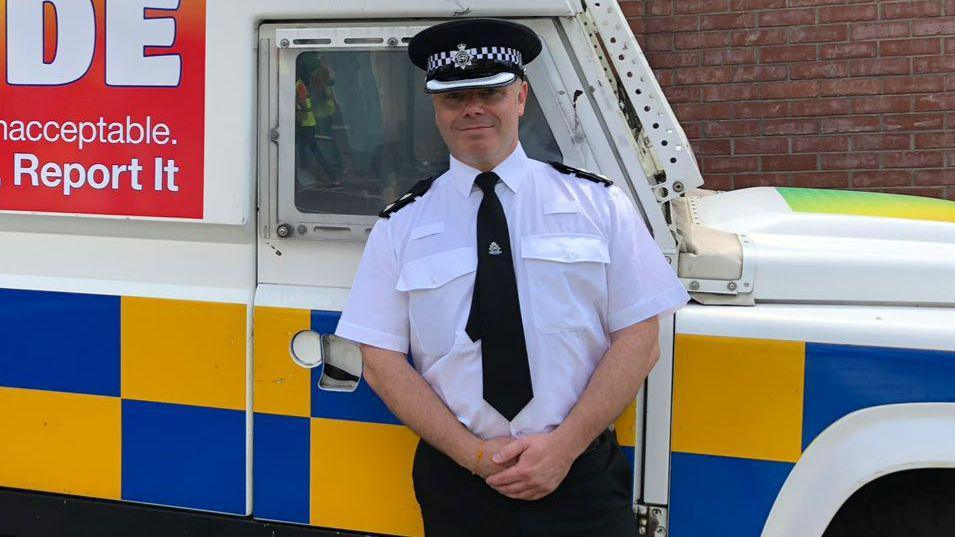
(494,249)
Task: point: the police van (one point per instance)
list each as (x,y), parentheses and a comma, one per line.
(185,190)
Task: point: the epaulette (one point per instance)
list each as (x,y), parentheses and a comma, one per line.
(408,197)
(583,174)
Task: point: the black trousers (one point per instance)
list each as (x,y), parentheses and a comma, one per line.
(594,499)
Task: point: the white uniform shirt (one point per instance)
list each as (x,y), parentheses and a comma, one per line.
(585,266)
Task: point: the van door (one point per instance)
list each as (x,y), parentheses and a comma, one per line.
(345,128)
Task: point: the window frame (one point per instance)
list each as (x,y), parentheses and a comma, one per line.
(280,46)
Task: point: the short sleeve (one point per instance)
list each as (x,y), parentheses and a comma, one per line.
(376,313)
(640,282)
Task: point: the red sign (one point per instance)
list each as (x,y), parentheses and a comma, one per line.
(102,106)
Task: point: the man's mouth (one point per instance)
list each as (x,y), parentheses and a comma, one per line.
(474,127)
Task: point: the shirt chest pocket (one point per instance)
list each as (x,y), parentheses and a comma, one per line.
(567,279)
(439,293)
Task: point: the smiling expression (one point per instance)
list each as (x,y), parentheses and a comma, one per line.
(480,126)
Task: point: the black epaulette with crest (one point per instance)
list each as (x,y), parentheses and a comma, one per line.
(408,197)
(583,174)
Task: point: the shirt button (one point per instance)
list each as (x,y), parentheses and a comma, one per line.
(434,279)
(571,255)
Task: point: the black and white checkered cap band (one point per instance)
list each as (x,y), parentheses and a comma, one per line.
(504,54)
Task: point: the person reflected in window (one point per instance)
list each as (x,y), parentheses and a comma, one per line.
(308,156)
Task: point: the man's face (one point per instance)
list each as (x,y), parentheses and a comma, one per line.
(480,126)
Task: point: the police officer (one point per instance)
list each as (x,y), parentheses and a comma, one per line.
(528,295)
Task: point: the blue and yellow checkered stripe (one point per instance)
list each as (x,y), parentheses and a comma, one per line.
(339,460)
(745,409)
(124,398)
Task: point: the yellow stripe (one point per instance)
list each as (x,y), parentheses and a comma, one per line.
(179,351)
(361,477)
(280,385)
(60,442)
(626,426)
(738,397)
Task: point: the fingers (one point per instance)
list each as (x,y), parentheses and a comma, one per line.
(510,476)
(510,451)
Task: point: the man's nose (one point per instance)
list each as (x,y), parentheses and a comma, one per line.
(474,105)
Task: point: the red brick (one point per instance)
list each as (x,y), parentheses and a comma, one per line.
(849,161)
(667,25)
(950,7)
(729,56)
(934,26)
(804,3)
(749,38)
(703,75)
(910,47)
(913,84)
(882,104)
(727,21)
(752,5)
(913,159)
(657,8)
(788,53)
(718,182)
(817,34)
(850,124)
(881,30)
(731,92)
(789,163)
(750,180)
(760,146)
(791,126)
(934,64)
(942,101)
(881,178)
(658,42)
(935,177)
(704,148)
(729,164)
(693,111)
(789,90)
(699,6)
(819,107)
(760,73)
(799,71)
(950,45)
(910,9)
(881,142)
(924,192)
(669,60)
(848,13)
(751,110)
(701,40)
(693,130)
(880,66)
(851,86)
(820,144)
(913,122)
(717,129)
(683,94)
(632,9)
(935,140)
(841,51)
(788,17)
(821,179)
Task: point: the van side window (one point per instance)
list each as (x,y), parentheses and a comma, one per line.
(365,132)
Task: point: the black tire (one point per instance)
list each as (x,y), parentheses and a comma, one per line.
(913,503)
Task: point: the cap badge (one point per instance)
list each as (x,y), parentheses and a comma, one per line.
(494,249)
(462,58)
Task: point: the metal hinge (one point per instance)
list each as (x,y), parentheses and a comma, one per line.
(651,520)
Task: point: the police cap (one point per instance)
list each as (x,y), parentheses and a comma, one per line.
(473,53)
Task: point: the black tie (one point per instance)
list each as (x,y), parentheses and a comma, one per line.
(495,316)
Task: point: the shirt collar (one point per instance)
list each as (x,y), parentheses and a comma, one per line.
(511,170)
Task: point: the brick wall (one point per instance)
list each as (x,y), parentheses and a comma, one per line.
(818,93)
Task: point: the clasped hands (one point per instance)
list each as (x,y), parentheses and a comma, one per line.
(526,468)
